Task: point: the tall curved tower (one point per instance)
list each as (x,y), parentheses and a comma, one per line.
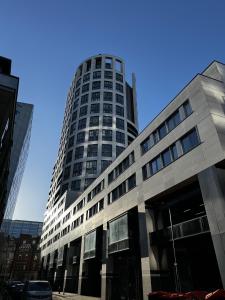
(100,121)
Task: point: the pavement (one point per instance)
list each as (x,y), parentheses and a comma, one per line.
(57,296)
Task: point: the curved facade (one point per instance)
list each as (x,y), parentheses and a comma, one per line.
(100,121)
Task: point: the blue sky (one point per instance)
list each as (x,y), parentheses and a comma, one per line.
(164,42)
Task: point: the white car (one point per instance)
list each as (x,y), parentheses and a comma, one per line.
(37,289)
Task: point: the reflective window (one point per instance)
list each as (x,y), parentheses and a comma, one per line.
(94,121)
(97,75)
(107,150)
(107,108)
(118,230)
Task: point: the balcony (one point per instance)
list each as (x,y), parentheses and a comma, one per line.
(185,229)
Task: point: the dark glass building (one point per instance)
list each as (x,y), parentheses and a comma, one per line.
(19,153)
(8,96)
(14,228)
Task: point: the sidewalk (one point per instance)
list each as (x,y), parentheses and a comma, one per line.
(60,296)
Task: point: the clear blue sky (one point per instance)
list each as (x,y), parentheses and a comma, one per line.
(164,42)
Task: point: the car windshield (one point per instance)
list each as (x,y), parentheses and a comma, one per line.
(39,286)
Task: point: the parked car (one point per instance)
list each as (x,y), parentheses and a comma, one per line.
(36,289)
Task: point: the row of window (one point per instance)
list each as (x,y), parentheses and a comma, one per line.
(97,64)
(95,97)
(77,222)
(95,209)
(96,190)
(182,146)
(95,109)
(98,75)
(107,135)
(106,152)
(186,143)
(122,189)
(171,122)
(94,121)
(117,171)
(96,85)
(79,206)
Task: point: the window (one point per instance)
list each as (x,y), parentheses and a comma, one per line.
(96,85)
(72,128)
(131,182)
(81,137)
(162,130)
(108,74)
(75,185)
(187,109)
(97,75)
(108,96)
(118,65)
(93,135)
(95,108)
(120,137)
(86,77)
(75,104)
(189,141)
(84,99)
(119,87)
(79,152)
(77,93)
(166,157)
(108,63)
(119,123)
(78,82)
(91,167)
(83,111)
(90,242)
(105,164)
(95,96)
(69,156)
(156,164)
(88,65)
(119,110)
(82,123)
(174,152)
(77,169)
(98,63)
(64,188)
(108,85)
(119,99)
(107,121)
(71,142)
(118,230)
(92,150)
(85,88)
(106,150)
(74,115)
(94,121)
(107,108)
(119,150)
(66,173)
(119,77)
(173,120)
(106,135)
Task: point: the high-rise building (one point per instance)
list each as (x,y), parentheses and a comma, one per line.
(100,121)
(154,219)
(19,153)
(14,228)
(8,96)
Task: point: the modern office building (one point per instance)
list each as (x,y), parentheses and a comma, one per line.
(14,228)
(8,96)
(100,121)
(155,218)
(19,153)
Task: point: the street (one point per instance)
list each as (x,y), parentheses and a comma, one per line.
(57,296)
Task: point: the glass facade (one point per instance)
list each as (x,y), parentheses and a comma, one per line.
(14,228)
